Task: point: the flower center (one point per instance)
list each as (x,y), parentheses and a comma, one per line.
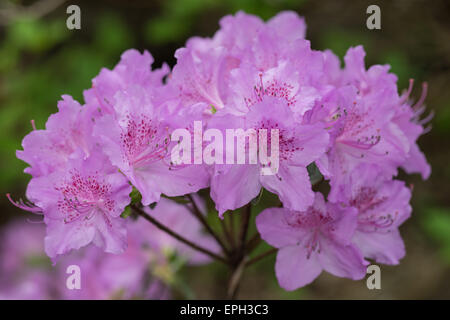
(358,129)
(81,194)
(369,220)
(144,141)
(273,89)
(286,140)
(314,221)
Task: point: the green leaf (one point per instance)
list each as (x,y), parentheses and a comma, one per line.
(437,225)
(112,34)
(314,173)
(126,213)
(135,196)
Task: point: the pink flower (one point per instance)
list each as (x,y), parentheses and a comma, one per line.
(137,140)
(203,72)
(15,254)
(82,204)
(234,185)
(241,31)
(24,268)
(136,272)
(407,118)
(113,276)
(383,205)
(249,63)
(359,115)
(31,286)
(199,74)
(134,68)
(252,41)
(298,80)
(311,241)
(67,131)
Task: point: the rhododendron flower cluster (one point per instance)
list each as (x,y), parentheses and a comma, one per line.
(96,162)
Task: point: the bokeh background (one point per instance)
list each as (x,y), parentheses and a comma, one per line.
(40,59)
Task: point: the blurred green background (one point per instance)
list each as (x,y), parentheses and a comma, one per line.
(40,59)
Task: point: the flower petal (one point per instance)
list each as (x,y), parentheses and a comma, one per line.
(294,270)
(292,185)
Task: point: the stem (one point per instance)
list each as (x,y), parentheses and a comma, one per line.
(162,227)
(196,211)
(244,226)
(227,233)
(253,243)
(235,279)
(261,256)
(232,231)
(238,260)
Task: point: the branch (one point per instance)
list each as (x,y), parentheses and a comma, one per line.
(235,279)
(261,256)
(253,243)
(244,226)
(231,224)
(36,10)
(162,227)
(196,211)
(227,233)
